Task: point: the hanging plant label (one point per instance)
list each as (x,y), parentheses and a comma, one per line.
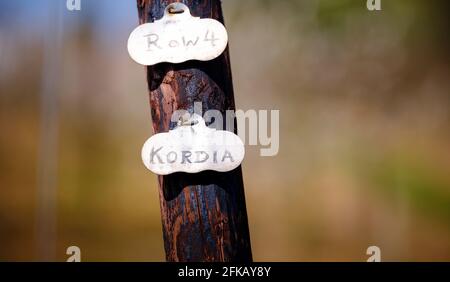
(193,148)
(177,37)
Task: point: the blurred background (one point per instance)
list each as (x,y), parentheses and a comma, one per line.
(364,100)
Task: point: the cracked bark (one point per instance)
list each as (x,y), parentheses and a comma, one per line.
(204,215)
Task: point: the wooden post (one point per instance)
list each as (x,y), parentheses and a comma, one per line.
(204,215)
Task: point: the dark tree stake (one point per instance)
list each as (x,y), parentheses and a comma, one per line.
(204,216)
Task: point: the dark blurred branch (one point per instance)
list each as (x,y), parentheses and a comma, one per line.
(48,142)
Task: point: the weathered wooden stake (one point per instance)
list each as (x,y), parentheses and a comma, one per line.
(204,215)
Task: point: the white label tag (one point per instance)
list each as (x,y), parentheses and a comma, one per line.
(193,148)
(177,37)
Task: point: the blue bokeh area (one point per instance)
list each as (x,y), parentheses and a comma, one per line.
(109,20)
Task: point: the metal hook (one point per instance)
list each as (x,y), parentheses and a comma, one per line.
(187,122)
(175,10)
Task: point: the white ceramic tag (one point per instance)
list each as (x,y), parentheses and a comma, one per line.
(177,37)
(193,148)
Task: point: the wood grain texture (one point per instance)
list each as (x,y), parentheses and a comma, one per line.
(204,215)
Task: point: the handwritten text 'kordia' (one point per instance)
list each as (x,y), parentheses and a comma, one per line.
(193,148)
